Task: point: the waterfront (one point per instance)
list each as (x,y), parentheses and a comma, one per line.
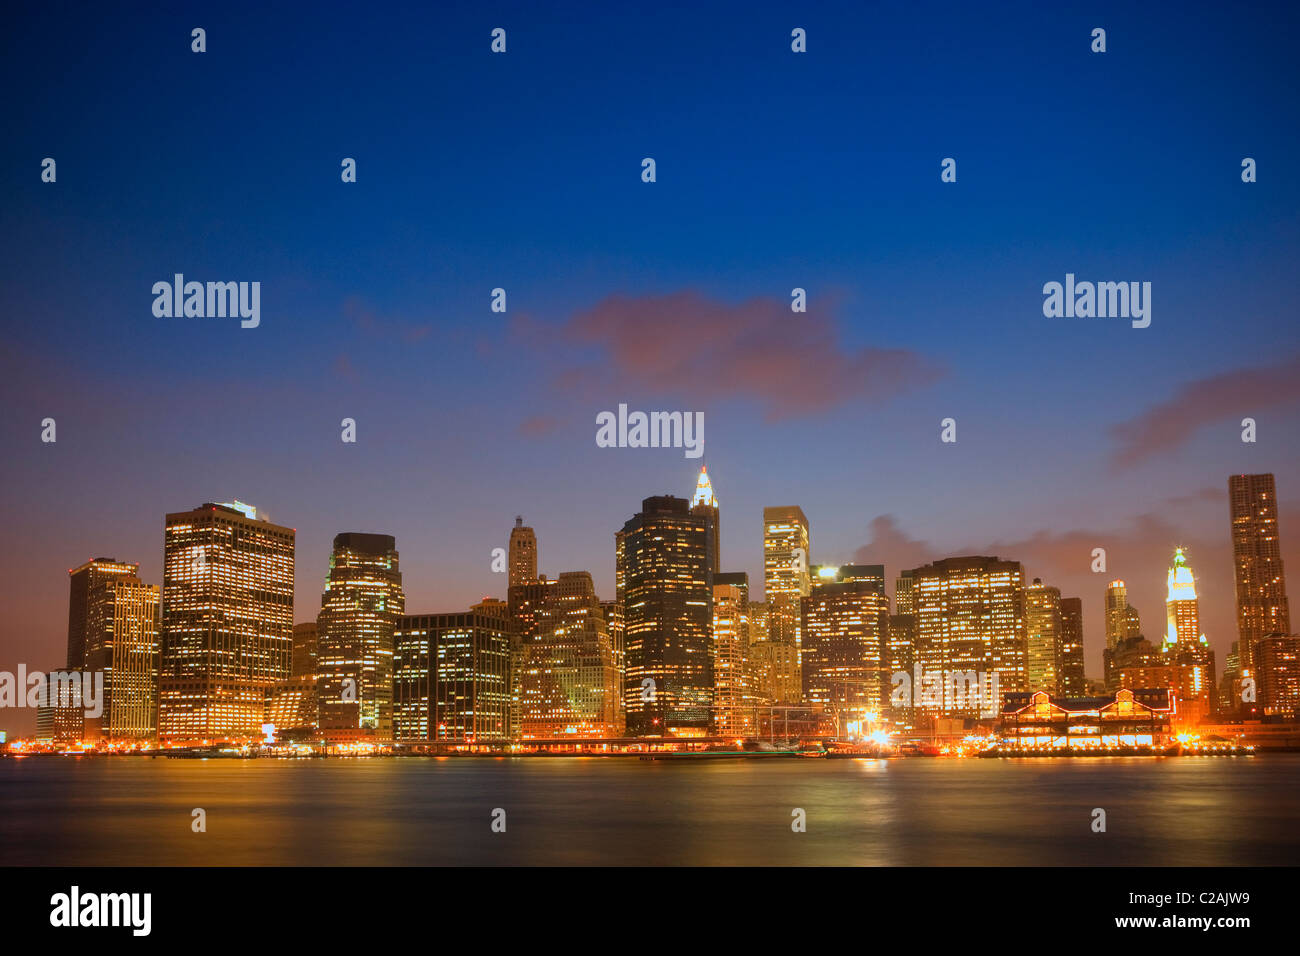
(592,811)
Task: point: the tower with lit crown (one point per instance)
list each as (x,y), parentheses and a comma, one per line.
(1184,645)
(705,504)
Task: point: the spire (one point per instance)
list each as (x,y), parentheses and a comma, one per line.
(704,490)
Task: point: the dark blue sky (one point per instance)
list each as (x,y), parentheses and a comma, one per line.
(522,170)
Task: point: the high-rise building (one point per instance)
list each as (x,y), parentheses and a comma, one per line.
(568,680)
(1070,675)
(845,645)
(527,616)
(227,621)
(1262,608)
(113,625)
(970,623)
(903,586)
(523,554)
(451,681)
(303,659)
(613,612)
(1184,644)
(732,698)
(362,601)
(1116,611)
(1043,636)
(1277,664)
(1122,623)
(786,576)
(82,582)
(662,570)
(773,665)
(705,504)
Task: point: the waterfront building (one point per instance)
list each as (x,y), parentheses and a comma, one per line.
(362,602)
(451,680)
(662,572)
(227,621)
(1262,608)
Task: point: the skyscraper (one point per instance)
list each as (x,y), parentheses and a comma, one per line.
(227,621)
(451,682)
(732,699)
(1184,644)
(1116,610)
(1262,607)
(115,622)
(970,622)
(845,644)
(1122,623)
(705,504)
(662,570)
(523,554)
(362,601)
(1070,677)
(568,680)
(786,580)
(1043,636)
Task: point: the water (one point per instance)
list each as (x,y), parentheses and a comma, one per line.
(421,811)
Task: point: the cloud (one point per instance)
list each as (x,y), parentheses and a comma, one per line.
(686,344)
(367,320)
(537,426)
(1231,395)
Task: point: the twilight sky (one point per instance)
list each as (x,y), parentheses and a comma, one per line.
(775,170)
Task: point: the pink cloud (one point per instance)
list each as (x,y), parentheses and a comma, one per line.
(792,364)
(1229,396)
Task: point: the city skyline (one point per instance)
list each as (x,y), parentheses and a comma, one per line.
(185,529)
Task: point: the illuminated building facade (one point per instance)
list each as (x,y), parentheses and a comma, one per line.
(451,679)
(970,620)
(662,570)
(845,639)
(303,659)
(1042,636)
(568,680)
(362,602)
(1070,677)
(732,696)
(786,578)
(227,621)
(1262,608)
(613,612)
(1037,721)
(294,710)
(1122,622)
(523,554)
(1277,668)
(526,612)
(113,623)
(1184,644)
